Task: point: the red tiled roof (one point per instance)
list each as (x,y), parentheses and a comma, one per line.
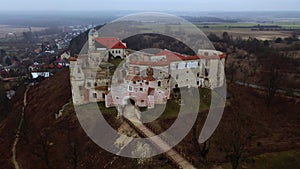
(37,50)
(172,57)
(222,56)
(111,43)
(149,63)
(136,78)
(72,59)
(101,88)
(149,78)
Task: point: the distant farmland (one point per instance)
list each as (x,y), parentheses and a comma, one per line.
(244,30)
(246,33)
(5,29)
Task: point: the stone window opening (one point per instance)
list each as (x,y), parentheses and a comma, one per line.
(95,95)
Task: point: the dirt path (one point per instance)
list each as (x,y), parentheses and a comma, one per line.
(171,154)
(17,136)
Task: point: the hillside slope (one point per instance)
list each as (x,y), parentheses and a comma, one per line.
(49,143)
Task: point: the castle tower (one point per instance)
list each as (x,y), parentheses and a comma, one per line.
(93,34)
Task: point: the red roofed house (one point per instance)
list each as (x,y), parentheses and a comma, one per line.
(113,46)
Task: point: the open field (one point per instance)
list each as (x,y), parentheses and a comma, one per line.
(244,31)
(5,29)
(286,25)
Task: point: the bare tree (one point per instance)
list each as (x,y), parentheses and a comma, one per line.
(73,153)
(235,137)
(4,106)
(246,73)
(39,145)
(272,84)
(201,149)
(231,70)
(272,77)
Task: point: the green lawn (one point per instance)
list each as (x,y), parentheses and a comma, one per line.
(115,62)
(104,110)
(173,105)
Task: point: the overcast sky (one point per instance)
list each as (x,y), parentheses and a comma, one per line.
(150,5)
